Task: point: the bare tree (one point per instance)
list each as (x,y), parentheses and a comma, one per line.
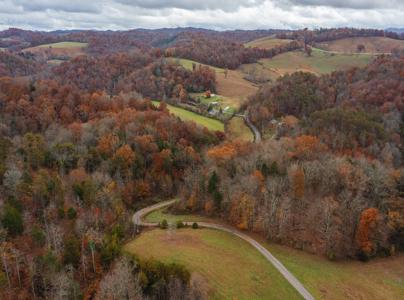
(120,283)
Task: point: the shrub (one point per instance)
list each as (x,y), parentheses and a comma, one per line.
(164,224)
(195,225)
(180,224)
(71,213)
(61,212)
(110,249)
(12,220)
(71,253)
(14,202)
(38,236)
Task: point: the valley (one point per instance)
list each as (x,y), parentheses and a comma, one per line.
(281,150)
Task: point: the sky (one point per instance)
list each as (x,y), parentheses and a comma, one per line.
(213,14)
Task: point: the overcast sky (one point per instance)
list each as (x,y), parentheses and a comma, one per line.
(214,14)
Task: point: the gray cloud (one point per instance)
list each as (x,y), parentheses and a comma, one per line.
(71,6)
(214,14)
(225,5)
(354,4)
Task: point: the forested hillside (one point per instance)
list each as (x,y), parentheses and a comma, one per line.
(330,180)
(81,149)
(88,139)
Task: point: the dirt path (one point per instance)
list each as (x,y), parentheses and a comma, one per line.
(138,221)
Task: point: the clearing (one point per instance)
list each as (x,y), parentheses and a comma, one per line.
(64,45)
(58,51)
(235,88)
(186,115)
(380,278)
(373,45)
(320,62)
(232,267)
(236,129)
(228,105)
(267,43)
(161,214)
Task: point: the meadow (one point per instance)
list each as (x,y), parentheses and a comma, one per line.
(267,43)
(185,115)
(233,87)
(233,268)
(320,62)
(162,214)
(380,278)
(373,45)
(64,45)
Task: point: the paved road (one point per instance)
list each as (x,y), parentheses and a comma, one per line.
(138,221)
(257,134)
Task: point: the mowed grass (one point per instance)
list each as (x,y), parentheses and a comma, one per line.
(162,214)
(237,130)
(372,45)
(185,115)
(381,278)
(232,267)
(321,62)
(267,43)
(64,45)
(188,63)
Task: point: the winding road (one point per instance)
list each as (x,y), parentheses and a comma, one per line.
(257,134)
(138,221)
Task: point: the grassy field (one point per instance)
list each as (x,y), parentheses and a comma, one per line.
(381,278)
(372,45)
(64,45)
(233,87)
(232,267)
(55,62)
(237,130)
(186,115)
(161,214)
(267,43)
(56,50)
(187,64)
(321,62)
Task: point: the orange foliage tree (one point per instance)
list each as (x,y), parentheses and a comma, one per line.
(308,146)
(241,212)
(107,145)
(124,158)
(367,224)
(297,180)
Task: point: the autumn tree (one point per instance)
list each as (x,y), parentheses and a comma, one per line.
(120,283)
(366,230)
(34,149)
(296,176)
(123,159)
(107,145)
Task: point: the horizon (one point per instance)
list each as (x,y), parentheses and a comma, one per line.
(191,27)
(118,15)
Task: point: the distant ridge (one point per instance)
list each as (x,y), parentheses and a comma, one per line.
(396,30)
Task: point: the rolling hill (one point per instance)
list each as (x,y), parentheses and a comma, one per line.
(267,43)
(320,62)
(373,45)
